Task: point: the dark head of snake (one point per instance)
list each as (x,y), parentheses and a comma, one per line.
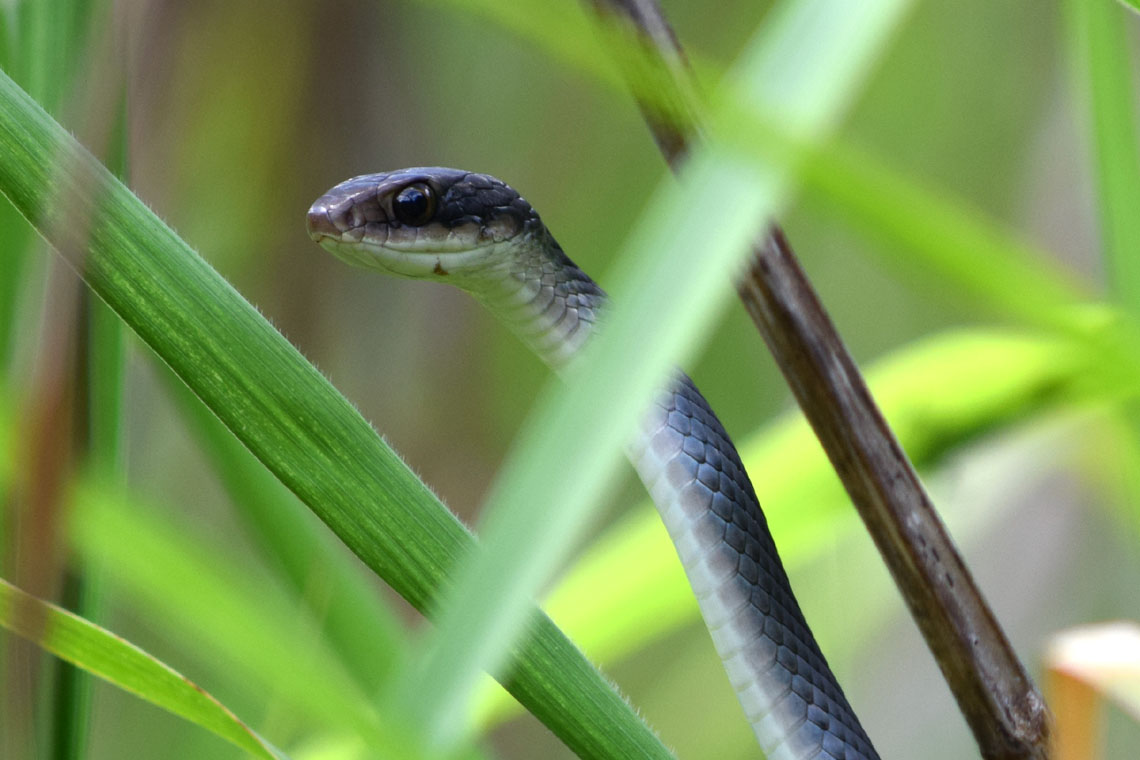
(469,230)
(428,223)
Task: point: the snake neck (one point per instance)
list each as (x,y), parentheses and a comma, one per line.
(709,507)
(545,298)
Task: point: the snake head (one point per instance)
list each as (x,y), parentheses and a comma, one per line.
(423,223)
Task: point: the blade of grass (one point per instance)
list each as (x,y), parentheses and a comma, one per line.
(14,238)
(1102,67)
(102,367)
(804,67)
(282,408)
(116,661)
(944,241)
(107,346)
(366,635)
(14,233)
(202,598)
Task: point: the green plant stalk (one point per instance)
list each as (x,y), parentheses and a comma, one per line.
(79,641)
(282,408)
(14,240)
(366,635)
(1102,72)
(102,361)
(13,231)
(202,598)
(49,41)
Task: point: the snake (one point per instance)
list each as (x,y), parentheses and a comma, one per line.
(476,232)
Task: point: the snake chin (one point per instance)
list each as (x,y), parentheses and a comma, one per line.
(423,264)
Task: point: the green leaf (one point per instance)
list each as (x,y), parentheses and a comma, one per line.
(933,238)
(281,407)
(201,598)
(1133,5)
(365,633)
(1102,65)
(109,657)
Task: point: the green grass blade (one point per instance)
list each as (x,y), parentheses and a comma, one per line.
(106,345)
(109,657)
(14,238)
(804,69)
(281,408)
(949,243)
(1133,5)
(50,45)
(14,232)
(102,363)
(933,238)
(560,29)
(202,598)
(1103,65)
(366,635)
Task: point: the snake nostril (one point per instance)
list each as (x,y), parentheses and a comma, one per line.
(320,224)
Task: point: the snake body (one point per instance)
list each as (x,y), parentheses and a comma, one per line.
(474,231)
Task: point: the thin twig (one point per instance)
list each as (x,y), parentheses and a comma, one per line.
(1003,707)
(1006,713)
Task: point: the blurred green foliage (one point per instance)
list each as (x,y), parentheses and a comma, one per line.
(241,113)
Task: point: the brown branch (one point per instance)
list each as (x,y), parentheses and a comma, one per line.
(1005,711)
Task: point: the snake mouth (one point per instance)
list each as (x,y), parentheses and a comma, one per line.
(423,223)
(356,222)
(429,252)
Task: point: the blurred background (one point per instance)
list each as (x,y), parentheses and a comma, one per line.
(241,113)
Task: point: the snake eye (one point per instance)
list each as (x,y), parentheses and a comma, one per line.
(414,205)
